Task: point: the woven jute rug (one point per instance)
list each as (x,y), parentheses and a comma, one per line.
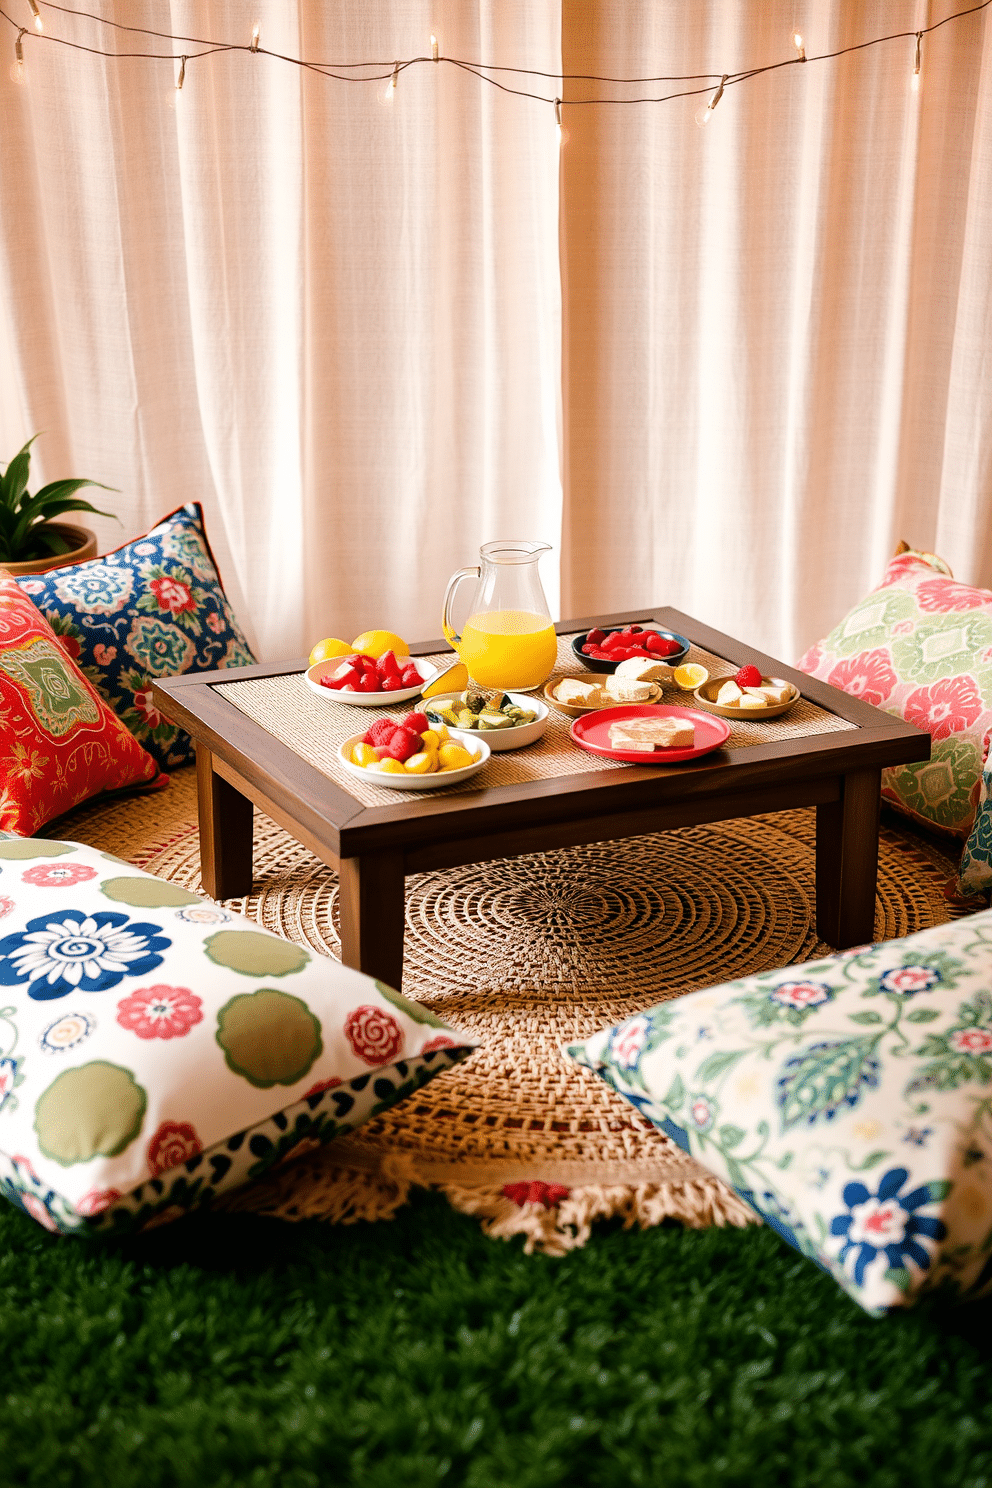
(530,953)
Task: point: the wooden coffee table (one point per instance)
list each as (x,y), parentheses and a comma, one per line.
(262,737)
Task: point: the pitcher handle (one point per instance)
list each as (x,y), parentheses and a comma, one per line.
(449,593)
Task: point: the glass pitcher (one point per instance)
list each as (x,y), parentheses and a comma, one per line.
(508,641)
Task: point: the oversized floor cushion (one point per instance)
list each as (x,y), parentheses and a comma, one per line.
(157,1050)
(848,1101)
(920,646)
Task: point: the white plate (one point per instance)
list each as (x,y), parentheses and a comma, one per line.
(473,742)
(366,699)
(500,739)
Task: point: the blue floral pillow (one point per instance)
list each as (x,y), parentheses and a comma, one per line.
(154,608)
(848,1101)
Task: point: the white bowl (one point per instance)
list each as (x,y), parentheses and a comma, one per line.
(366,699)
(472,742)
(500,739)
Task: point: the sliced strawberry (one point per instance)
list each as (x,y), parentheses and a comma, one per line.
(332,682)
(595,637)
(386,666)
(614,639)
(416,723)
(380,732)
(589,649)
(748,676)
(599,653)
(369,683)
(411,677)
(392,684)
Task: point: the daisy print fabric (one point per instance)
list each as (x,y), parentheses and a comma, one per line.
(154,608)
(848,1101)
(156,1050)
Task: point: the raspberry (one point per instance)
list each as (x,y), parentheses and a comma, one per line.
(748,676)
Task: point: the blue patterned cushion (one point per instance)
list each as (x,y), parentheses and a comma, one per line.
(154,608)
(848,1101)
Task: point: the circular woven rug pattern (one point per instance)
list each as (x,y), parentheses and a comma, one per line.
(530,953)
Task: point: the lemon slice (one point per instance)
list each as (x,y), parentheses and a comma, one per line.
(455,679)
(691,676)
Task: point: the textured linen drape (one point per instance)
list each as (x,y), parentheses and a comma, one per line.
(724,368)
(334,322)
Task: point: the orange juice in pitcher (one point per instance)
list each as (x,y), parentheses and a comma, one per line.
(509,640)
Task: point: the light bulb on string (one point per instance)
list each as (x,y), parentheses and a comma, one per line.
(176,90)
(256,36)
(39,24)
(434,48)
(914,81)
(18,72)
(705,114)
(800,45)
(389,93)
(559,126)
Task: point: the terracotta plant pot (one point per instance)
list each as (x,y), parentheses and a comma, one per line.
(83,546)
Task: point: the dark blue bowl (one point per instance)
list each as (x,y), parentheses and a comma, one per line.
(676,658)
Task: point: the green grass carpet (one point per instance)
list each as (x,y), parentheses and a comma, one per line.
(233,1350)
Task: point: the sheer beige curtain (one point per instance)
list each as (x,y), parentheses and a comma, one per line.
(776,328)
(333,321)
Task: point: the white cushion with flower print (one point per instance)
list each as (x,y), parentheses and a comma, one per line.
(848,1101)
(156,1050)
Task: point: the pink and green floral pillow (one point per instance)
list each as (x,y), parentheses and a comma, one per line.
(157,1050)
(155,607)
(920,647)
(848,1101)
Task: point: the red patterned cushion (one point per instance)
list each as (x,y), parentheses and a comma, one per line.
(920,647)
(59,742)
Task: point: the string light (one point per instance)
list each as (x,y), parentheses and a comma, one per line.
(365,72)
(704,115)
(256,36)
(17,72)
(182,75)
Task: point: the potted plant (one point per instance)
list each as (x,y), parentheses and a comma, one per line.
(30,541)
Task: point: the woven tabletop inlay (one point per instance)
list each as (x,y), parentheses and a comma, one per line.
(314,728)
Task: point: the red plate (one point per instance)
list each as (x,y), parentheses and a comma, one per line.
(592,732)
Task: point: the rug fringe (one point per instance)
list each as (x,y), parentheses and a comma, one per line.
(567,1224)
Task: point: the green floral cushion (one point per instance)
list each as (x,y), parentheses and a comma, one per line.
(920,647)
(848,1101)
(156,1050)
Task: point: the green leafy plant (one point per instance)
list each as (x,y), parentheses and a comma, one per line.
(25,533)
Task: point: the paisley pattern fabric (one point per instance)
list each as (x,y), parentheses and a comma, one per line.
(154,608)
(156,1050)
(920,647)
(59,742)
(848,1101)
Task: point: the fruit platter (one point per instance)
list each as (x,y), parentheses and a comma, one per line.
(509,720)
(374,670)
(748,694)
(412,754)
(604,650)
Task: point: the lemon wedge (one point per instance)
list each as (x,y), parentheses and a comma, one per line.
(455,679)
(690,676)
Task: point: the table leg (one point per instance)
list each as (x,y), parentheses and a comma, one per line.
(372,915)
(225,832)
(847,861)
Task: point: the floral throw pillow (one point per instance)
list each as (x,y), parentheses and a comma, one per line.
(848,1101)
(157,1050)
(154,608)
(59,742)
(920,647)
